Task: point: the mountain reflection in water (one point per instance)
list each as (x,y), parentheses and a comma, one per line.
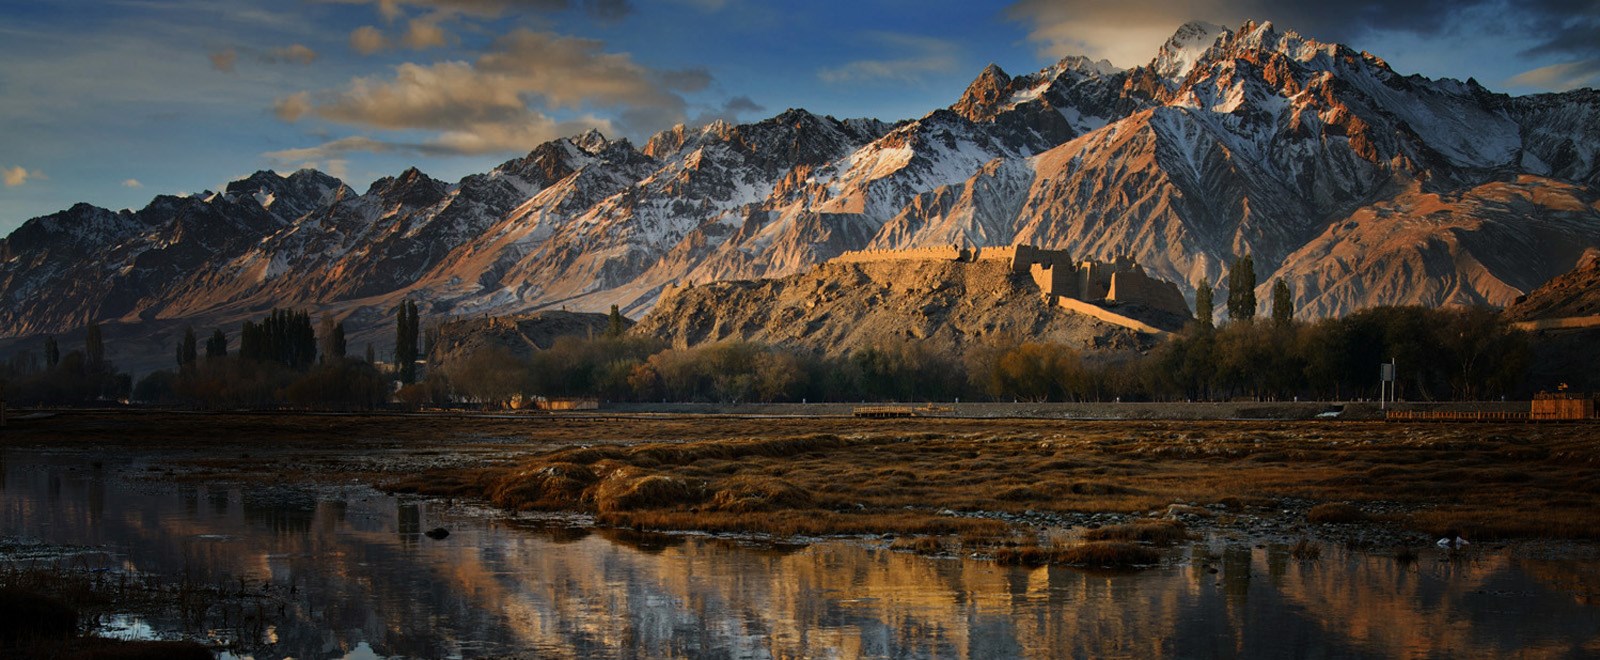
(367,582)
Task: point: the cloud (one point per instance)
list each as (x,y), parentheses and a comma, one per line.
(1560,77)
(335,149)
(295,53)
(1128,32)
(730,111)
(922,56)
(501,101)
(605,10)
(367,40)
(19,175)
(424,33)
(293,106)
(132,183)
(223,60)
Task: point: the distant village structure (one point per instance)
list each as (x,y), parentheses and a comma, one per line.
(1086,286)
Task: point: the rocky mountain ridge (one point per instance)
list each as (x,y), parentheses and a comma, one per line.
(1356,184)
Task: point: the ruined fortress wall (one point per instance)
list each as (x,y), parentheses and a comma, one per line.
(1135,286)
(940,253)
(1054,280)
(1103,314)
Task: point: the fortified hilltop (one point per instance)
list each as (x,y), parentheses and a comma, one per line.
(1095,288)
(943,299)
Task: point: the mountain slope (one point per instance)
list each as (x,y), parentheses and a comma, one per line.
(1356,184)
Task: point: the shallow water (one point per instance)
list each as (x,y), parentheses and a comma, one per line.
(356,578)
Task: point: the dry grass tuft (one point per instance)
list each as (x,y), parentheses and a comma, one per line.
(756,493)
(1305,550)
(626,489)
(1109,554)
(922,545)
(1158,532)
(1335,512)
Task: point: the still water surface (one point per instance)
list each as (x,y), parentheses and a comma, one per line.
(357,578)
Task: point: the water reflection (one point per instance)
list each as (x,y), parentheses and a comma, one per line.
(366,581)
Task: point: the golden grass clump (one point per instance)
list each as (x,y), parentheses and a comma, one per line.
(1158,532)
(756,493)
(1110,554)
(922,545)
(629,489)
(1335,512)
(554,486)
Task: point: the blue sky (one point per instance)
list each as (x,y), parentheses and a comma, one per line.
(112,102)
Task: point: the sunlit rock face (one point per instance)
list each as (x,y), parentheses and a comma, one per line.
(1356,184)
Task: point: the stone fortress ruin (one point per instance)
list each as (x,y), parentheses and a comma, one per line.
(1094,288)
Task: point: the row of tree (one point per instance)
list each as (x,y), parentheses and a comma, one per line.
(1442,354)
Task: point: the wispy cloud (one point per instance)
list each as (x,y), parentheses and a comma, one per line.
(1560,77)
(223,60)
(913,58)
(132,183)
(392,10)
(502,101)
(367,40)
(293,53)
(18,175)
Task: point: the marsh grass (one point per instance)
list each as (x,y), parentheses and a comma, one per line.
(827,476)
(1335,512)
(1492,481)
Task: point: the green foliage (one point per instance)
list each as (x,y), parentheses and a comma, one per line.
(1242,289)
(614,324)
(52,352)
(1203,305)
(284,337)
(188,349)
(217,345)
(94,348)
(1282,303)
(405,342)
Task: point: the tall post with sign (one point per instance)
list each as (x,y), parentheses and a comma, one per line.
(1386,384)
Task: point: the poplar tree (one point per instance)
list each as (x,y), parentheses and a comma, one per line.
(405,342)
(188,350)
(94,349)
(52,352)
(217,345)
(1282,303)
(1242,290)
(1202,306)
(614,324)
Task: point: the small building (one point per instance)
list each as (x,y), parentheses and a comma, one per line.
(1561,406)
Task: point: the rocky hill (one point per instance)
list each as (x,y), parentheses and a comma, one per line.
(1573,294)
(1355,183)
(520,335)
(839,308)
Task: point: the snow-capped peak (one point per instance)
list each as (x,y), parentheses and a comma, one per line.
(1185,49)
(591,141)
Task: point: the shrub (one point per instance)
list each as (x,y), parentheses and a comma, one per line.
(1335,512)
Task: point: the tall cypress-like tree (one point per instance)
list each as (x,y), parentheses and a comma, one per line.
(1242,289)
(217,345)
(372,354)
(1282,303)
(614,324)
(339,345)
(189,349)
(52,352)
(94,349)
(405,342)
(1203,302)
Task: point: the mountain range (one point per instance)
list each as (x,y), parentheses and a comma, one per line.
(1357,185)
